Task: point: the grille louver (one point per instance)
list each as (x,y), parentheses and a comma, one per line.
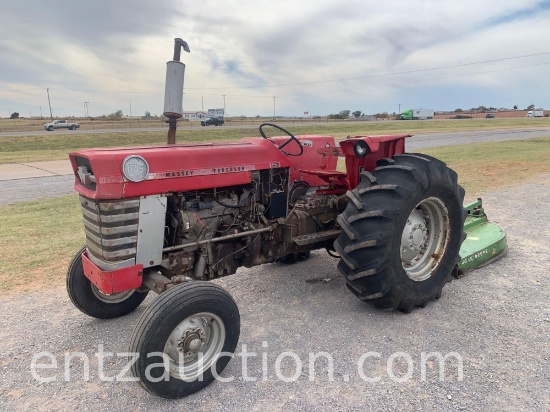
(111,228)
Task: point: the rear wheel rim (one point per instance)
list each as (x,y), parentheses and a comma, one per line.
(425,239)
(194,345)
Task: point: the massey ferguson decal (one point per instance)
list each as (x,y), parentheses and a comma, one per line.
(200,172)
(111,179)
(182,173)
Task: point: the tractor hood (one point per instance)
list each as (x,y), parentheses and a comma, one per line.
(99,173)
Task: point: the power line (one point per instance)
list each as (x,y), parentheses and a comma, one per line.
(103,91)
(433,79)
(323,92)
(375,75)
(293,96)
(305,83)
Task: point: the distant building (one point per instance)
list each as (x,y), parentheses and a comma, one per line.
(216,112)
(194,115)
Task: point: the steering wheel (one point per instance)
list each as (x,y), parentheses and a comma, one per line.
(292,137)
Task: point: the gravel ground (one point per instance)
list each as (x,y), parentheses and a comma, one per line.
(496,319)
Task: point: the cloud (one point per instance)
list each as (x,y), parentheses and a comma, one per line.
(114,52)
(523,13)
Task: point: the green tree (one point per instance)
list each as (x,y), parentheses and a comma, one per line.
(459,110)
(531,107)
(147,113)
(113,116)
(14,115)
(344,114)
(357,113)
(481,109)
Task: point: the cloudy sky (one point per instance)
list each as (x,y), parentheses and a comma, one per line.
(315,56)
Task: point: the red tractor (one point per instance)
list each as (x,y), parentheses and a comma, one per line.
(169,218)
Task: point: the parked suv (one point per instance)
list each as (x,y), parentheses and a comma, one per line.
(215,121)
(490,116)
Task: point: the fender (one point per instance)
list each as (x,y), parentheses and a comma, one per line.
(380,147)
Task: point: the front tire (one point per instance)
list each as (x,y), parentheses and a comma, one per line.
(401,232)
(90,301)
(194,328)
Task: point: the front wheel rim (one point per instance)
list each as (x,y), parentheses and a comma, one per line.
(194,346)
(112,298)
(425,239)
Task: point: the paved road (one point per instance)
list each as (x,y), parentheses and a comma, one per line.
(12,191)
(80,131)
(496,319)
(544,131)
(31,183)
(122,130)
(232,125)
(421,141)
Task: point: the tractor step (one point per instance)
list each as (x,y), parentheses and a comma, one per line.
(485,241)
(315,237)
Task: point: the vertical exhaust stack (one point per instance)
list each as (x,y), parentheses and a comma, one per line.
(173,92)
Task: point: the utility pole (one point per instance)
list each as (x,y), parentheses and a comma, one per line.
(87,114)
(130,109)
(49,103)
(224,114)
(202,104)
(274,107)
(9,113)
(399,104)
(30,114)
(41,113)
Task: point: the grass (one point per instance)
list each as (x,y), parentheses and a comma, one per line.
(55,146)
(487,166)
(36,241)
(38,238)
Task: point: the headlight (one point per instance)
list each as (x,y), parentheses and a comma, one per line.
(135,168)
(361,148)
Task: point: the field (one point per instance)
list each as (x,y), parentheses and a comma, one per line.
(56,145)
(38,238)
(36,123)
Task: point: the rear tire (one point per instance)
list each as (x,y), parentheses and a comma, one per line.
(184,323)
(401,232)
(90,301)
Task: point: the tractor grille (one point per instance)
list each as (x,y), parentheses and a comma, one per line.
(111,228)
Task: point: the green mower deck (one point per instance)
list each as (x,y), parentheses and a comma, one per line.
(485,241)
